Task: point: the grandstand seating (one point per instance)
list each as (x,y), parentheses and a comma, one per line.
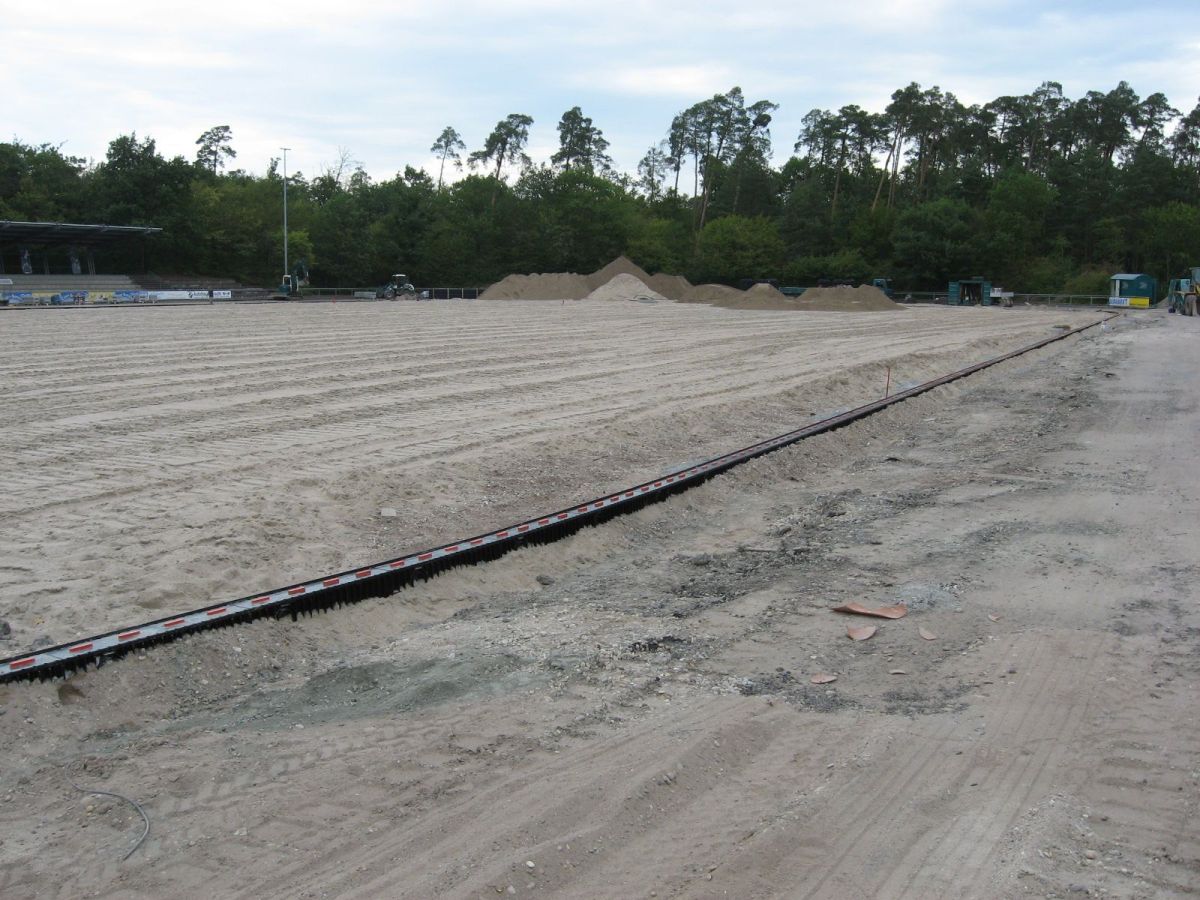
(67,283)
(153,282)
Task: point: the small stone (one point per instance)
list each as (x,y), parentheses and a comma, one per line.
(5,629)
(529,864)
(1090,854)
(388,512)
(545,580)
(1078,889)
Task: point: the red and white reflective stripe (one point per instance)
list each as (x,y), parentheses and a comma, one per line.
(153,629)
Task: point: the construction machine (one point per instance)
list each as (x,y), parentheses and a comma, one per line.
(293,281)
(399,286)
(1181,293)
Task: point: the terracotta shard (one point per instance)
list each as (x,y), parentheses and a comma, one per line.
(861,632)
(821,678)
(926,634)
(899,611)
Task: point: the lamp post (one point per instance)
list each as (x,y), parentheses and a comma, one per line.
(286,271)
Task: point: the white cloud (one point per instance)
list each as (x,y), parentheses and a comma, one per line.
(384,79)
(694,82)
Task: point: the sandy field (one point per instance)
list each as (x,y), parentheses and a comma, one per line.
(631,711)
(157,460)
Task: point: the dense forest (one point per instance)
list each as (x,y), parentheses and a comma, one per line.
(1039,192)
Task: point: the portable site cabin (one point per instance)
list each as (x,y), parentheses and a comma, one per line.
(970,291)
(1136,291)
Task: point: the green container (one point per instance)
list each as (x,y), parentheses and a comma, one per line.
(970,291)
(1135,291)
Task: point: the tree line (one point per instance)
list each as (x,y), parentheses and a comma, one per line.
(1039,192)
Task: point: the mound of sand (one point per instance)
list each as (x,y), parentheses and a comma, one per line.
(759,296)
(712,293)
(570,286)
(541,286)
(673,287)
(622,265)
(625,287)
(864,298)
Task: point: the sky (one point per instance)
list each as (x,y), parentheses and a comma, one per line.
(380,80)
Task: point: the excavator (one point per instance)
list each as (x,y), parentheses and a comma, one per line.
(1181,293)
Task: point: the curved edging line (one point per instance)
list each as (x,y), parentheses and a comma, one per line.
(383,578)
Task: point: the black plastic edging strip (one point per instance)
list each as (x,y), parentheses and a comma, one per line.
(383,578)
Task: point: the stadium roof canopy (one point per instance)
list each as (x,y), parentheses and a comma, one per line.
(64,233)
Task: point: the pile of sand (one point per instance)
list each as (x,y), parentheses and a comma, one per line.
(623,279)
(864,298)
(625,287)
(570,286)
(539,286)
(673,287)
(760,296)
(622,265)
(712,293)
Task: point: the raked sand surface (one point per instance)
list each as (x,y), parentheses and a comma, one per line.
(157,459)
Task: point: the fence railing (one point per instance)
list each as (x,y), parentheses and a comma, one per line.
(435,293)
(1034,299)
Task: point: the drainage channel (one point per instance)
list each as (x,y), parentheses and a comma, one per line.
(384,578)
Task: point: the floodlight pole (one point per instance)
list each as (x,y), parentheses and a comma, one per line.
(286,271)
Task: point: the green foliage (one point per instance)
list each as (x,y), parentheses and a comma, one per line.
(1048,275)
(934,242)
(506,143)
(660,245)
(1170,238)
(1014,225)
(1089,281)
(849,265)
(39,183)
(737,247)
(214,147)
(580,144)
(447,147)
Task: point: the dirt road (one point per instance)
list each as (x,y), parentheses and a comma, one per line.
(641,722)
